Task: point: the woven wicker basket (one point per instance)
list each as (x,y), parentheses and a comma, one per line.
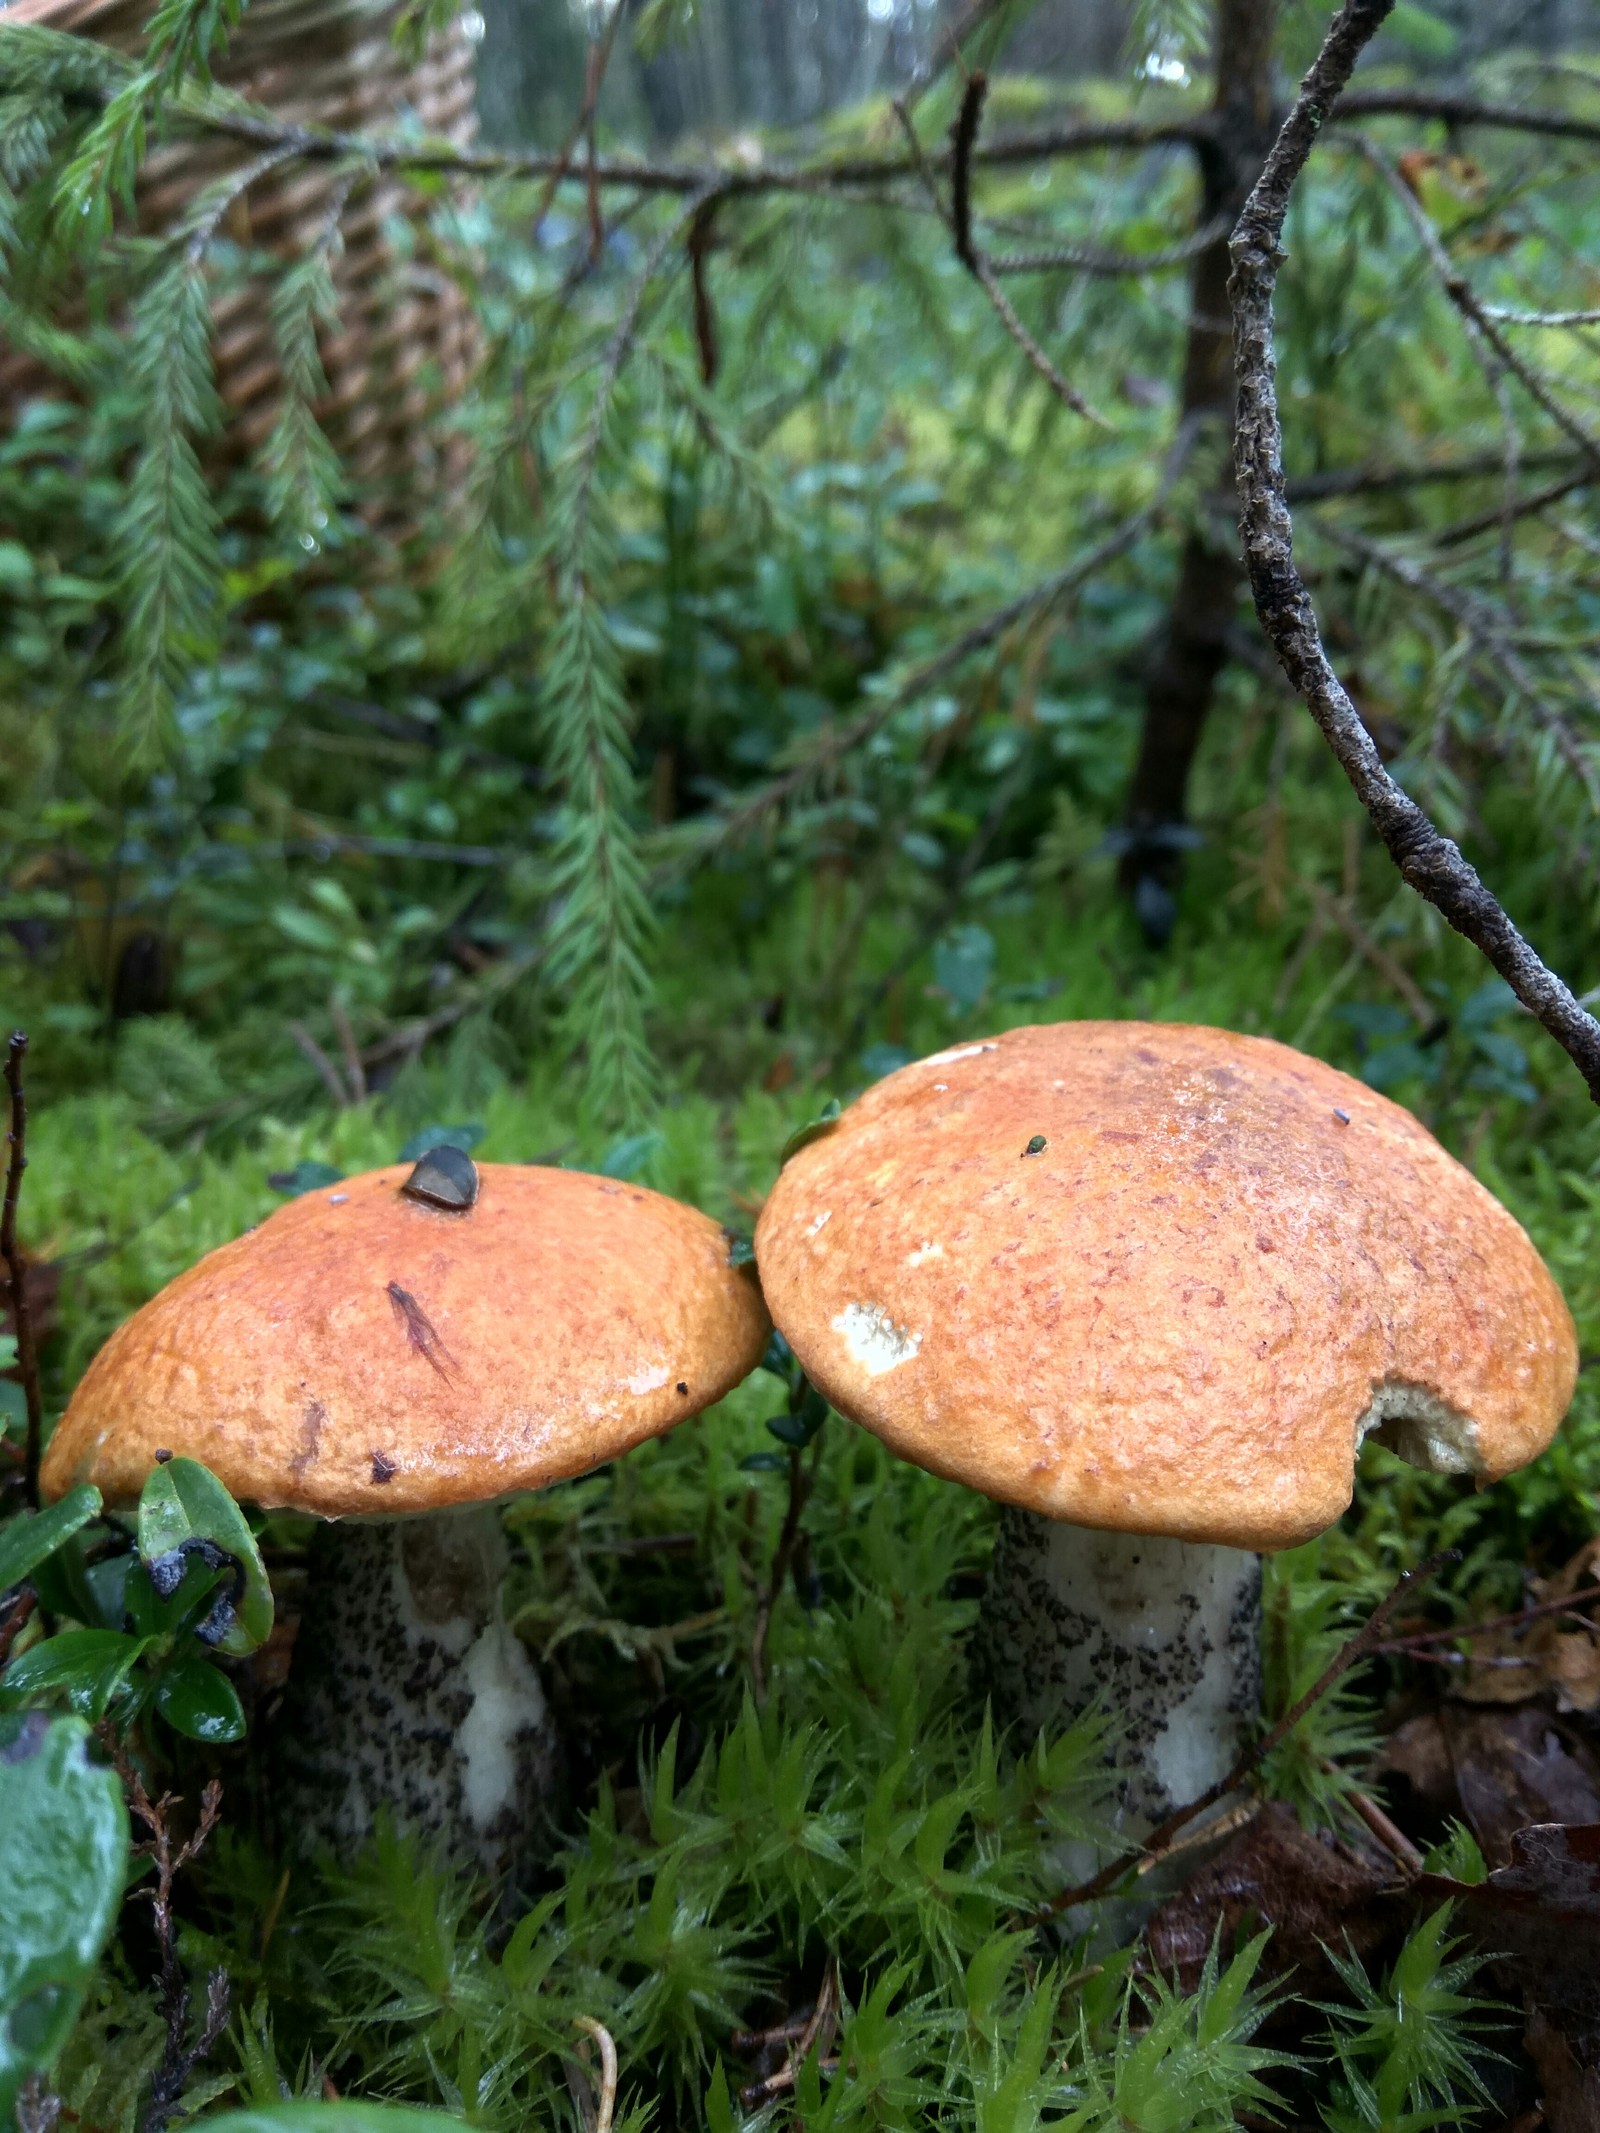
(405,340)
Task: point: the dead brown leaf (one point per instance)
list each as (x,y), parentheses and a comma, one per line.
(1274,1873)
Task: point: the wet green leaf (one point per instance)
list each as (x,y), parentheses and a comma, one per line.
(183,1509)
(352,2115)
(824,1122)
(305,1177)
(63,1858)
(86,1666)
(196,1699)
(26,1541)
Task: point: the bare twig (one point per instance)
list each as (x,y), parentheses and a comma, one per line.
(560,165)
(355,1072)
(1503,317)
(1467,111)
(1428,861)
(1463,1630)
(15,1619)
(705,317)
(1362,1645)
(179,2058)
(1493,351)
(606,2110)
(1377,480)
(963,139)
(958,220)
(802,1479)
(1091,259)
(1394,1840)
(1483,628)
(16,1266)
(1338,911)
(1462,530)
(948,48)
(309,1049)
(814,2033)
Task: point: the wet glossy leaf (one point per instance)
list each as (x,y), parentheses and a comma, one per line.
(963,964)
(305,1177)
(26,1541)
(196,1699)
(764,1463)
(427,1138)
(303,2115)
(85,1666)
(63,1858)
(183,1509)
(824,1122)
(629,1156)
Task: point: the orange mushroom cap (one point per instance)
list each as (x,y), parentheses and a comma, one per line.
(1160,1279)
(363,1353)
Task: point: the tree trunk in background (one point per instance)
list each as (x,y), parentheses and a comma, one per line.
(1194,644)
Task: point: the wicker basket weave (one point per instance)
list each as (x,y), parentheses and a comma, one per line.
(405,341)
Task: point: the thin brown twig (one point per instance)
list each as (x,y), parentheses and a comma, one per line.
(179,2058)
(1337,910)
(355,1072)
(607,2106)
(1356,1648)
(947,49)
(16,1265)
(1483,628)
(559,166)
(705,317)
(802,1480)
(1493,351)
(1496,1622)
(815,2033)
(963,139)
(1092,259)
(958,220)
(1431,863)
(309,1049)
(15,1620)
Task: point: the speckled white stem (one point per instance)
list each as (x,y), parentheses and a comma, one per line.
(1162,1635)
(409,1694)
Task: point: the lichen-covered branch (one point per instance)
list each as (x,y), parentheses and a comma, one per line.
(1428,861)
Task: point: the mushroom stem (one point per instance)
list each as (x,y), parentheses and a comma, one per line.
(410,1696)
(1162,1635)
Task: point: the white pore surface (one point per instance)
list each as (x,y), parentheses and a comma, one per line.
(507,1701)
(1422,1429)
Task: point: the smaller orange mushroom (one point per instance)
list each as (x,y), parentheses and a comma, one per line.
(394,1354)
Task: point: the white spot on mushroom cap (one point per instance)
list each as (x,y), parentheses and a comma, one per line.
(925,1251)
(644,1381)
(821,1222)
(875,1342)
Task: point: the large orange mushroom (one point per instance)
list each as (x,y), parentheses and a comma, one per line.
(394,1354)
(1151,1286)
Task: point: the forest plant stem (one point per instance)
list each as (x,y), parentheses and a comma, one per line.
(1431,863)
(16,1267)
